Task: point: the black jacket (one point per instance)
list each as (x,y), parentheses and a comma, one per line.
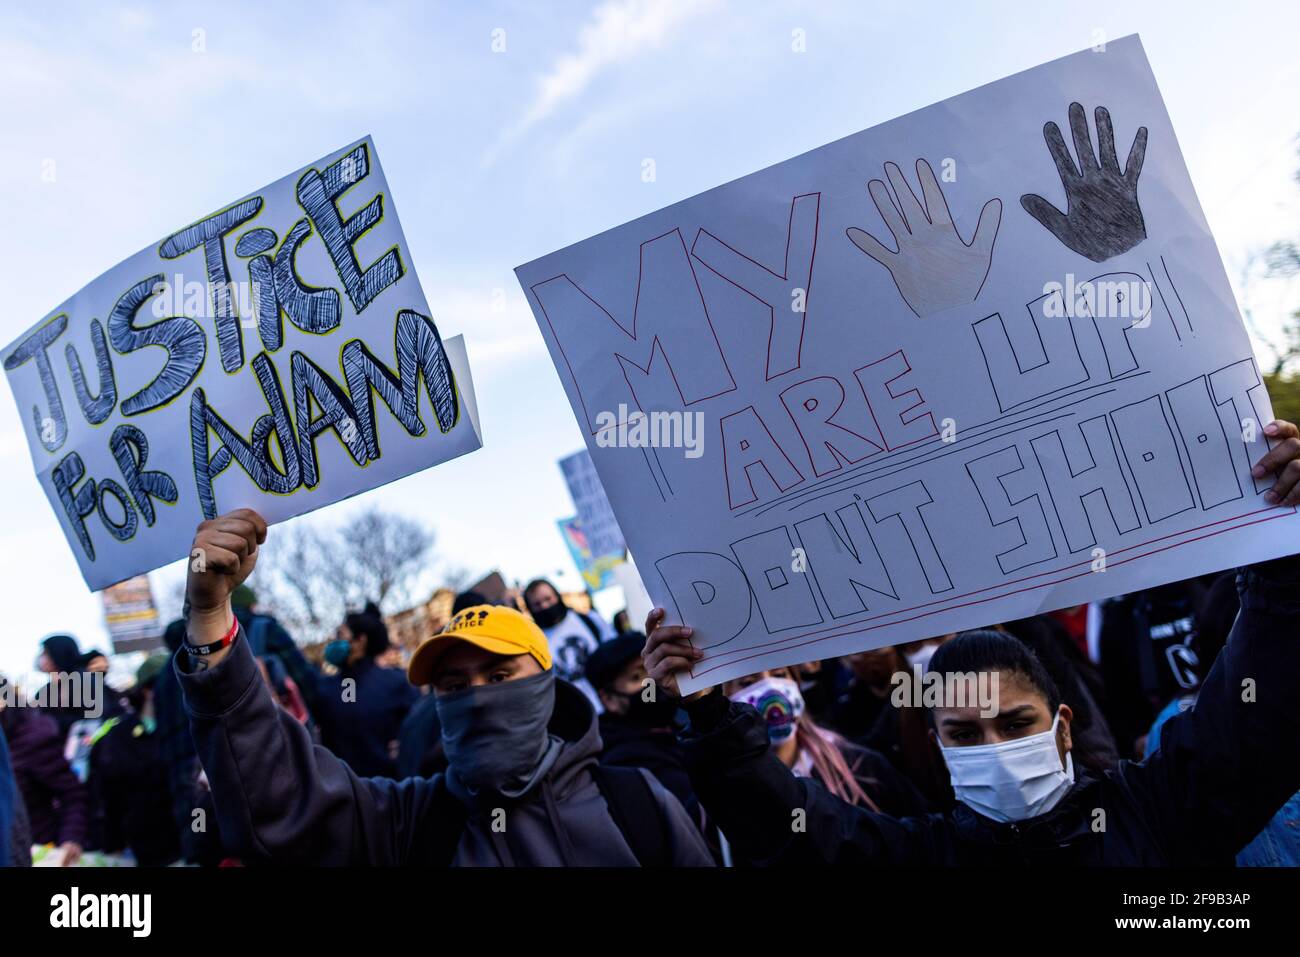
(283,799)
(419,741)
(360,721)
(1223,769)
(655,749)
(128,784)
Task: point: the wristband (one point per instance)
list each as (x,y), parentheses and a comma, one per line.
(227,639)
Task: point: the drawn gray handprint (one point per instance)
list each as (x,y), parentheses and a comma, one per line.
(933,267)
(1102,217)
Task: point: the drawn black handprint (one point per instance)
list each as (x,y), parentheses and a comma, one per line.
(933,267)
(1102,217)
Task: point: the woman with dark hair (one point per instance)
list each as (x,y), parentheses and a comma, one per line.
(1222,771)
(1094,745)
(361,707)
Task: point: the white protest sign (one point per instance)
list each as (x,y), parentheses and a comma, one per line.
(595,515)
(237,363)
(956,369)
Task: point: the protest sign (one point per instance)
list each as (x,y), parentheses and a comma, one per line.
(941,373)
(131,615)
(597,571)
(599,525)
(237,363)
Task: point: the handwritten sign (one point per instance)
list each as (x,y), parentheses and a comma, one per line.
(277,354)
(973,364)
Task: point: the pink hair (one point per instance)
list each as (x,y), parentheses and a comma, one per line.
(826,749)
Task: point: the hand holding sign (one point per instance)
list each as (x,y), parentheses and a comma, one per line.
(224,554)
(1102,218)
(667,651)
(933,267)
(1283,460)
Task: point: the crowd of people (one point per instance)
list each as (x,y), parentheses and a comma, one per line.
(1155,728)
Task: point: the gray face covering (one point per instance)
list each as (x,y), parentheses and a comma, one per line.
(495,735)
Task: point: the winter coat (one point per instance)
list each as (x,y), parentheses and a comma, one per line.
(56,800)
(360,712)
(128,784)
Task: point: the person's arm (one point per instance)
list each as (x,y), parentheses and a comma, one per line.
(1226,765)
(278,796)
(768,815)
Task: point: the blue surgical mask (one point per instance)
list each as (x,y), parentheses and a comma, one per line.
(337,652)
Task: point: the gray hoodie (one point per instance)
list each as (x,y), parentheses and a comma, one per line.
(281,798)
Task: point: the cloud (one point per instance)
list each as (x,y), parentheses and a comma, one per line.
(616,31)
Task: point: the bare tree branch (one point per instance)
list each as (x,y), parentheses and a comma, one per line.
(310,576)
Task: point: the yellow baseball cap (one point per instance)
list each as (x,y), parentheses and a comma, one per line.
(494,628)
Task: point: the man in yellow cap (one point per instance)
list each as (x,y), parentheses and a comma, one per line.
(523,785)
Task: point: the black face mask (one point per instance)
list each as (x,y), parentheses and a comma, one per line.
(648,714)
(495,735)
(552,616)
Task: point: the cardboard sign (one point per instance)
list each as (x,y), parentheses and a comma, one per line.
(973,364)
(278,354)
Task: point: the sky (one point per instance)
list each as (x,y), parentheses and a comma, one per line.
(509,130)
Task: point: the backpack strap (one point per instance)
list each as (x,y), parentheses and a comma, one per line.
(591,626)
(626,791)
(635,811)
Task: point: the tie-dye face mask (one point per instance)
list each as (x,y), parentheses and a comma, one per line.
(780,703)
